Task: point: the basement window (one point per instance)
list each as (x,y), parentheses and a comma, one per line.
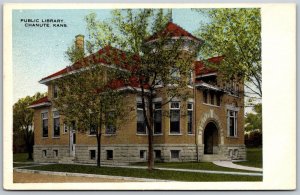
(92,154)
(55,153)
(142,154)
(44,153)
(175,154)
(109,154)
(157,154)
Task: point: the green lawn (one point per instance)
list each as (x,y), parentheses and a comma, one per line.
(254,158)
(144,173)
(21,157)
(192,165)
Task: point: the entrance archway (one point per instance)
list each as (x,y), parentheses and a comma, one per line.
(211,138)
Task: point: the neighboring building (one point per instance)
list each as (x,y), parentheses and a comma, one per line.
(213,128)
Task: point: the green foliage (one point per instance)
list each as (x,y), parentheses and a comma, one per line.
(85,98)
(74,54)
(154,62)
(23,121)
(236,34)
(143,173)
(254,158)
(253,121)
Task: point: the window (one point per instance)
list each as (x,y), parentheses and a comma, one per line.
(44,153)
(218,96)
(56,125)
(205,96)
(66,128)
(92,154)
(157,118)
(157,154)
(45,124)
(55,153)
(232,123)
(143,154)
(174,117)
(190,78)
(212,98)
(141,125)
(175,73)
(109,154)
(190,118)
(175,154)
(93,125)
(110,123)
(55,91)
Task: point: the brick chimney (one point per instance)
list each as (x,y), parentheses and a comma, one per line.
(79,42)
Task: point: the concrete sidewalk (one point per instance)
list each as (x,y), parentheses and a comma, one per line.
(229,164)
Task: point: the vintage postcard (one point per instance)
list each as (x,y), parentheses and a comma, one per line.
(149,96)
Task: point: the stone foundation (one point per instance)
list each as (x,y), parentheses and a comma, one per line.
(124,154)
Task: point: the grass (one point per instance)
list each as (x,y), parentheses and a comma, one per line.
(254,158)
(21,157)
(192,165)
(144,173)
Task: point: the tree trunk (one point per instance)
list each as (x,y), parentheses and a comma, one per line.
(150,136)
(99,149)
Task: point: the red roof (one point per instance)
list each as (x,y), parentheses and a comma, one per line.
(172,30)
(131,82)
(41,100)
(107,55)
(201,69)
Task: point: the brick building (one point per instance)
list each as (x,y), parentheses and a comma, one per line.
(213,128)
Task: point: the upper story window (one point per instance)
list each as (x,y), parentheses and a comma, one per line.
(205,96)
(110,123)
(232,87)
(93,125)
(190,118)
(157,118)
(232,123)
(175,73)
(55,91)
(140,124)
(56,124)
(212,98)
(190,82)
(174,117)
(45,124)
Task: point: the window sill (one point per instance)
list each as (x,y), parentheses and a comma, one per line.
(190,86)
(232,137)
(55,137)
(175,134)
(109,135)
(45,137)
(211,105)
(191,134)
(91,135)
(141,134)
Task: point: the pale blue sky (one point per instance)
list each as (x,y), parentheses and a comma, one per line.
(40,51)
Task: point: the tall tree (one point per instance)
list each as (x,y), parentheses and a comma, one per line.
(161,60)
(253,121)
(87,101)
(23,121)
(236,34)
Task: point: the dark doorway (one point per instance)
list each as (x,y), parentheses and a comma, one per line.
(211,138)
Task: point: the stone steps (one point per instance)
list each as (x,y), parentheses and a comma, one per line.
(67,160)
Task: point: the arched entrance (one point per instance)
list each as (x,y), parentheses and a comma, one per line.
(211,138)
